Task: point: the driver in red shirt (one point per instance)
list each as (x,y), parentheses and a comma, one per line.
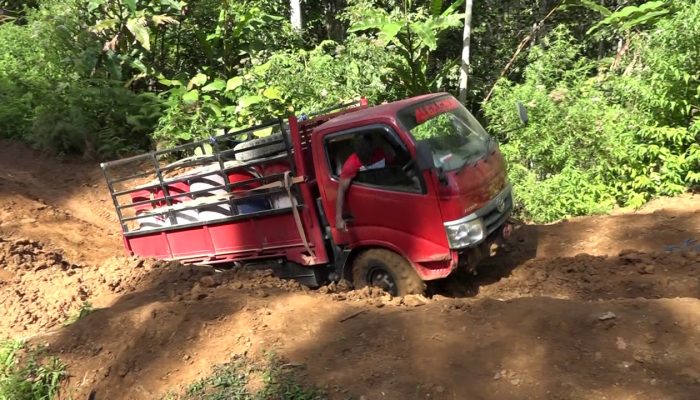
(366,156)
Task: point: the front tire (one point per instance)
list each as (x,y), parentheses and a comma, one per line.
(387,270)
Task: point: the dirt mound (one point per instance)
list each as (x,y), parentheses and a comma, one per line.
(631,274)
(565,312)
(41,289)
(171,332)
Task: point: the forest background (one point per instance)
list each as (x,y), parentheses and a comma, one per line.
(612,86)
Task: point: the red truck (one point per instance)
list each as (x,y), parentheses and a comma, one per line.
(436,201)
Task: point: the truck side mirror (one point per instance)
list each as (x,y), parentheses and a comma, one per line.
(522,112)
(424,156)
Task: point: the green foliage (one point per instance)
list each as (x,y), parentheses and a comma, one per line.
(413,35)
(24,375)
(614,94)
(568,193)
(85,309)
(55,96)
(596,140)
(631,17)
(301,81)
(243,379)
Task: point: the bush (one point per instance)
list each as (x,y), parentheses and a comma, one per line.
(289,81)
(24,376)
(53,95)
(590,144)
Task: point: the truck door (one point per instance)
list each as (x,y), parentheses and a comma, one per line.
(388,203)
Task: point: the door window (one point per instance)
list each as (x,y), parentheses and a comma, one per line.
(388,164)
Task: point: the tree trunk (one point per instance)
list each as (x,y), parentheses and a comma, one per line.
(464,70)
(295,7)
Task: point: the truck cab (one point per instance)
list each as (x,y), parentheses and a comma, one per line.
(435,199)
(439,201)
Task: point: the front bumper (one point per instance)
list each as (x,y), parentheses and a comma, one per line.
(469,258)
(491,216)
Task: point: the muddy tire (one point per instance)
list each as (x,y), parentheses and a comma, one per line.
(388,270)
(268,150)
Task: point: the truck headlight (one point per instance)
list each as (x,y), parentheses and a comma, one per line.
(463,234)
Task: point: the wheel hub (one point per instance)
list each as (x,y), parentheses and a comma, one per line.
(382,279)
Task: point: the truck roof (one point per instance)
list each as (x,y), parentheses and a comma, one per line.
(376,111)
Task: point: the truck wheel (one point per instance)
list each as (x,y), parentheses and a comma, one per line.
(267,149)
(387,270)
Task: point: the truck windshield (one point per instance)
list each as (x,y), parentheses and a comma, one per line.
(455,137)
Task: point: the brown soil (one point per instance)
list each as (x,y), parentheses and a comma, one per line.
(604,307)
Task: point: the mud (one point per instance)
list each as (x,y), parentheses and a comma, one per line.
(602,307)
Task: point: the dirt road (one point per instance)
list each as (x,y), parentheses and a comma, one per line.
(603,307)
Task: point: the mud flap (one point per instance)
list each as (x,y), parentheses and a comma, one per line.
(312,277)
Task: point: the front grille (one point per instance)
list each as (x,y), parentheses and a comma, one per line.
(490,213)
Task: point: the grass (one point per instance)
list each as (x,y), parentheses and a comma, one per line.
(244,379)
(26,375)
(85,309)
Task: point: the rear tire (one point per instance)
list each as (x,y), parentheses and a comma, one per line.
(388,270)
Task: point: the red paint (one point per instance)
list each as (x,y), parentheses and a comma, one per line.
(139,196)
(239,176)
(430,110)
(471,187)
(410,224)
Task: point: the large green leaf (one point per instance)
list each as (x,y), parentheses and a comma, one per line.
(217,85)
(645,18)
(198,80)
(247,101)
(105,24)
(272,93)
(624,16)
(452,8)
(169,82)
(435,7)
(388,31)
(373,22)
(425,34)
(137,27)
(191,96)
(131,4)
(234,83)
(164,19)
(94,4)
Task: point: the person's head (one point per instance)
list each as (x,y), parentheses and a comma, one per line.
(364,149)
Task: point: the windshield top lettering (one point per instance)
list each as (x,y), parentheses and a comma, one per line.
(428,111)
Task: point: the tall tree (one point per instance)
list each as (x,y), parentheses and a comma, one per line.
(295,7)
(466,39)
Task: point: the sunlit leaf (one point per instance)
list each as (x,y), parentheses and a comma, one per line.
(105,24)
(169,82)
(272,93)
(198,80)
(234,83)
(191,96)
(137,27)
(164,19)
(217,85)
(247,101)
(389,31)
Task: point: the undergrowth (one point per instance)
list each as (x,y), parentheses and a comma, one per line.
(85,309)
(245,379)
(26,375)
